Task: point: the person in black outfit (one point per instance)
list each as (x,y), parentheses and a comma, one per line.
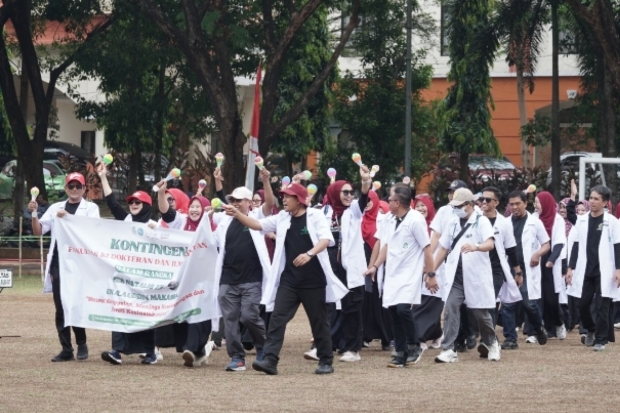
(601,331)
(303,280)
(140,207)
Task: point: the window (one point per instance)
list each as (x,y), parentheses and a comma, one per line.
(566,43)
(444,34)
(88,141)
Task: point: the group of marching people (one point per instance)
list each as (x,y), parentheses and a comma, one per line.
(367,269)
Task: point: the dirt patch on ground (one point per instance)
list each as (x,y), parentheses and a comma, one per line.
(562,376)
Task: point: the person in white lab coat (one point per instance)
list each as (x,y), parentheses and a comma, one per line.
(465,247)
(532,243)
(407,251)
(594,268)
(300,274)
(553,266)
(504,253)
(75,186)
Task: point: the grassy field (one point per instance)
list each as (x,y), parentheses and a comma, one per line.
(562,376)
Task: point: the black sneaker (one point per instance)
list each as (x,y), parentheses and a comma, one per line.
(398,361)
(324,369)
(112,357)
(510,345)
(471,342)
(265,366)
(82,352)
(63,356)
(589,341)
(415,354)
(541,335)
(460,347)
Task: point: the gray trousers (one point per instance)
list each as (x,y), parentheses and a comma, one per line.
(240,304)
(452,319)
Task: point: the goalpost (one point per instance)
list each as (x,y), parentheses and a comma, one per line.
(582,171)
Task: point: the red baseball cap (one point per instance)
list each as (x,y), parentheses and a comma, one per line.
(298,191)
(140,196)
(75,176)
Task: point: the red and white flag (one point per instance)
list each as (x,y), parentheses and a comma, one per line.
(253,148)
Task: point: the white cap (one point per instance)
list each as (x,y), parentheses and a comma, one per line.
(240,193)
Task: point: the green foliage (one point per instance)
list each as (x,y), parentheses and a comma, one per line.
(306,58)
(370,105)
(465,113)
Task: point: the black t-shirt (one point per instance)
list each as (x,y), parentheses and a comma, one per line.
(70,208)
(458,275)
(241,262)
(518,224)
(595,229)
(496,265)
(298,242)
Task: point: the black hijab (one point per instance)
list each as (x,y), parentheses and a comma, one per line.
(144,215)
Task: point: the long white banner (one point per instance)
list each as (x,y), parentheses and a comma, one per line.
(126,277)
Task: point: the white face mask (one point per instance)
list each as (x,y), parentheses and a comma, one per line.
(460,212)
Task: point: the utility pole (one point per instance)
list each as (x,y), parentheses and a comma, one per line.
(408,92)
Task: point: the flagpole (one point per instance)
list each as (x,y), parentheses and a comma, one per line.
(253,144)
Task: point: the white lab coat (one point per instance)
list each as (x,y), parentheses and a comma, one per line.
(533,237)
(352,252)
(318,229)
(86,208)
(223,222)
(477,271)
(405,260)
(558,236)
(610,235)
(383,223)
(504,239)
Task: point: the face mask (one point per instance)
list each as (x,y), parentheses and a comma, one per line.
(460,212)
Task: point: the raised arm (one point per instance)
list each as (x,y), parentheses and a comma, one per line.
(102,171)
(265,176)
(162,200)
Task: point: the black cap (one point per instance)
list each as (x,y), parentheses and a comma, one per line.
(456,184)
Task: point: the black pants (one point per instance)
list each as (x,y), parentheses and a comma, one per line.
(352,306)
(192,337)
(286,305)
(403,327)
(64,333)
(552,314)
(498,281)
(591,286)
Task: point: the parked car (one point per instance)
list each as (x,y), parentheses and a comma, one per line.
(55,149)
(569,163)
(54,179)
(483,167)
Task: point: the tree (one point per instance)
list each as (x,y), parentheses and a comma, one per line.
(521,25)
(465,113)
(29,19)
(221,40)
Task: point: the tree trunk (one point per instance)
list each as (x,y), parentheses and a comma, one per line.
(134,165)
(556,173)
(19,190)
(159,133)
(464,167)
(609,143)
(525,149)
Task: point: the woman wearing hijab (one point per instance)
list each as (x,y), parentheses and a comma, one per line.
(553,265)
(562,211)
(347,258)
(140,207)
(189,339)
(427,315)
(376,319)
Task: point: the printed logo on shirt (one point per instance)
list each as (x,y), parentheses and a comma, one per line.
(405,246)
(304,231)
(468,235)
(245,229)
(600,227)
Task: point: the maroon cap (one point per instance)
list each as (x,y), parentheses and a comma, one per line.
(75,176)
(298,191)
(140,196)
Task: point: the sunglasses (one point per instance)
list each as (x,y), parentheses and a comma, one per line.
(74,186)
(487,200)
(134,202)
(347,193)
(170,200)
(236,201)
(460,206)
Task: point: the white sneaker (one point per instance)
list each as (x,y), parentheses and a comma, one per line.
(617,326)
(365,344)
(531,340)
(158,354)
(209,348)
(201,360)
(447,356)
(350,356)
(311,355)
(561,332)
(423,346)
(437,343)
(494,351)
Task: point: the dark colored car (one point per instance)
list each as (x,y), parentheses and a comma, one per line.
(482,167)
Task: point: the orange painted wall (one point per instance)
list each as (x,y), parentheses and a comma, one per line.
(505,117)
